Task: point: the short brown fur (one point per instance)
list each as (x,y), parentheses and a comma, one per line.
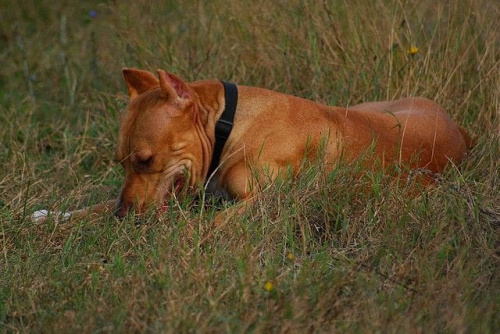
(167,138)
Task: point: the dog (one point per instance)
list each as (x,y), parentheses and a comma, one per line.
(232,139)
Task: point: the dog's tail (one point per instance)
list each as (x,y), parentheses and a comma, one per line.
(469,141)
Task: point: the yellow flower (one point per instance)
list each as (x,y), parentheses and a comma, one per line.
(413,50)
(290,256)
(269,286)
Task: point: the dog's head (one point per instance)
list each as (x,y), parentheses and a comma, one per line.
(160,145)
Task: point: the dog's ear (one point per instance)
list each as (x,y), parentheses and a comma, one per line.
(138,81)
(174,86)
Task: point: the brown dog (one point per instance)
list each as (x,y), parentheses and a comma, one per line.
(168,138)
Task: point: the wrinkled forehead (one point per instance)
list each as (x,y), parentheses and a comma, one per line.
(145,121)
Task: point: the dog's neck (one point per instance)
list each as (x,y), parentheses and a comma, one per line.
(210,100)
(211,103)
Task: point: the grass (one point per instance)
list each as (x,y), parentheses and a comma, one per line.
(324,252)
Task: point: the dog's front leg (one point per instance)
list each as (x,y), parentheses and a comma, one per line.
(42,215)
(223,217)
(244,185)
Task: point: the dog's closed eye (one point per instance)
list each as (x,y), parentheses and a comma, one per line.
(145,161)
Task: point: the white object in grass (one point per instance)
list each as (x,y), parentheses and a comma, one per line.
(41,215)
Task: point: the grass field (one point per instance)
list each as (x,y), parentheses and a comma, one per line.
(319,253)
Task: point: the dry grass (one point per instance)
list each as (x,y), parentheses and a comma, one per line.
(321,253)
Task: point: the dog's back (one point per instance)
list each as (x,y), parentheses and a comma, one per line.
(415,132)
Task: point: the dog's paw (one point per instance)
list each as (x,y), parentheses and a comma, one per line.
(41,215)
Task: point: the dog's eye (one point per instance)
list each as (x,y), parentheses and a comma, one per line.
(145,161)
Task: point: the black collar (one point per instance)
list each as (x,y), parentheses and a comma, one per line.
(224,124)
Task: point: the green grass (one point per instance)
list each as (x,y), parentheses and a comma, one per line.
(342,253)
